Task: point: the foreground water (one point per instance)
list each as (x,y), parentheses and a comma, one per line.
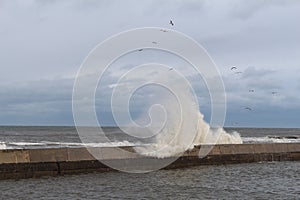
(275,180)
(14,137)
(267,180)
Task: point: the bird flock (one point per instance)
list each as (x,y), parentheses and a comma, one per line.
(162,30)
(234,69)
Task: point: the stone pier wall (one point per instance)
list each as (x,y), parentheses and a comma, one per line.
(29,163)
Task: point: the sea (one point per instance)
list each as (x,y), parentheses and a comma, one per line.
(262,180)
(23,137)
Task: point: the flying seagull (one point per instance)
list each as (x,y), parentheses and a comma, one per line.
(171,22)
(232,68)
(171,69)
(247,108)
(251,90)
(141,49)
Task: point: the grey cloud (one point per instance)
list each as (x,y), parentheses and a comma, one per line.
(37,91)
(263,81)
(44,105)
(252,72)
(244,9)
(42,42)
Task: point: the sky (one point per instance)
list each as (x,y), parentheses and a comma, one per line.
(44,42)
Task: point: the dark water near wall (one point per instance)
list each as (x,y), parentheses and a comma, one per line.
(279,180)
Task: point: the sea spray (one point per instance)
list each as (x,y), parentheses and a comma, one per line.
(185,127)
(207,135)
(3,145)
(168,114)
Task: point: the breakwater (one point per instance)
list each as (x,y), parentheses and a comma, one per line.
(28,163)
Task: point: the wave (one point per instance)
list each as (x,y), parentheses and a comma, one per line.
(223,139)
(3,145)
(46,144)
(272,139)
(184,128)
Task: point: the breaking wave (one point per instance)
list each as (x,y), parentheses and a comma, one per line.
(184,128)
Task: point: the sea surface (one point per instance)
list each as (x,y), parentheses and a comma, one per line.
(263,180)
(268,180)
(16,137)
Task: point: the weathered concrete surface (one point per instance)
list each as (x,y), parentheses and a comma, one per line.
(50,162)
(14,156)
(75,154)
(48,155)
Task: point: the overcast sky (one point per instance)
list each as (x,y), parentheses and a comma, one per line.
(43,43)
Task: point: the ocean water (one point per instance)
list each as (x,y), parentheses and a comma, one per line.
(265,180)
(16,137)
(269,180)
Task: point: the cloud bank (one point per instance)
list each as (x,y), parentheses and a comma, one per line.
(44,42)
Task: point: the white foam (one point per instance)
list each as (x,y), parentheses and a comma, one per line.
(26,143)
(184,128)
(224,138)
(45,144)
(2,145)
(269,140)
(107,144)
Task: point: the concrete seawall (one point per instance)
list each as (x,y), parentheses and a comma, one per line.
(29,163)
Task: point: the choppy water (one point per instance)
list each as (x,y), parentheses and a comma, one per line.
(268,180)
(13,137)
(276,180)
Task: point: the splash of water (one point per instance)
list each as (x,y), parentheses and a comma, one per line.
(185,127)
(2,145)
